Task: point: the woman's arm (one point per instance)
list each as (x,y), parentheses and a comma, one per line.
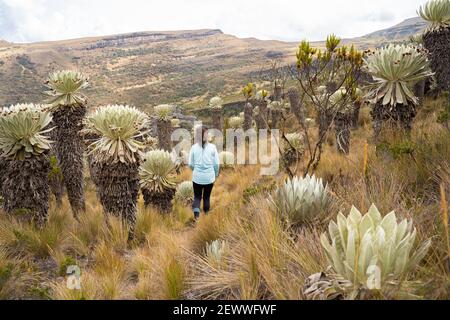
(216,162)
(191,159)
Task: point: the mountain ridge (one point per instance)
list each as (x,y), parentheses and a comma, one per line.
(401,30)
(151,67)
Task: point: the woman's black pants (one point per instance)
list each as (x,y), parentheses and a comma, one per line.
(202,192)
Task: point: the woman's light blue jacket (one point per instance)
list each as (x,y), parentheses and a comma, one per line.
(205,163)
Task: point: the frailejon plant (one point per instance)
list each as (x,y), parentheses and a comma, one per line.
(25,148)
(343,119)
(185,193)
(293,147)
(69,109)
(236,122)
(262,95)
(296,107)
(261,115)
(215,104)
(248,116)
(56,181)
(357,98)
(328,68)
(55,178)
(296,140)
(2,174)
(371,251)
(276,112)
(215,252)
(163,115)
(337,66)
(258,118)
(436,39)
(395,69)
(301,200)
(226,159)
(421,86)
(249,91)
(158,180)
(116,157)
(324,286)
(437,13)
(176,123)
(277,90)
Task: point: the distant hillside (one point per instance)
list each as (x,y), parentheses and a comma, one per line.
(142,69)
(148,68)
(400,31)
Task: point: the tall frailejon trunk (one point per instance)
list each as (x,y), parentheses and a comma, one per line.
(437,42)
(55,178)
(332,87)
(69,149)
(2,174)
(342,124)
(276,115)
(88,140)
(355,116)
(217,118)
(259,121)
(160,200)
(402,115)
(296,108)
(118,189)
(248,116)
(164,128)
(377,118)
(264,115)
(93,169)
(290,156)
(419,89)
(278,93)
(25,186)
(56,184)
(324,121)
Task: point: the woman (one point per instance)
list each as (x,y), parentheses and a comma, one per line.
(204,161)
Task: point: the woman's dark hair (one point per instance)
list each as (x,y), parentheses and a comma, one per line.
(204,138)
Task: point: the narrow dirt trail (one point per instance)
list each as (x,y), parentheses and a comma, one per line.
(227,198)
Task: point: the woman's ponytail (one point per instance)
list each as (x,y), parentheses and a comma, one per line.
(204,136)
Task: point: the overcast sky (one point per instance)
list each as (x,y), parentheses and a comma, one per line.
(292,20)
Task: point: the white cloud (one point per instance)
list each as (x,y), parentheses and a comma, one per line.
(38,20)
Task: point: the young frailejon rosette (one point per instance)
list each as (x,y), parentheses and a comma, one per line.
(371,251)
(185,193)
(301,200)
(24,131)
(157,174)
(119,129)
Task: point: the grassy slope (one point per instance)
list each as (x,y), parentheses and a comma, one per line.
(262,260)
